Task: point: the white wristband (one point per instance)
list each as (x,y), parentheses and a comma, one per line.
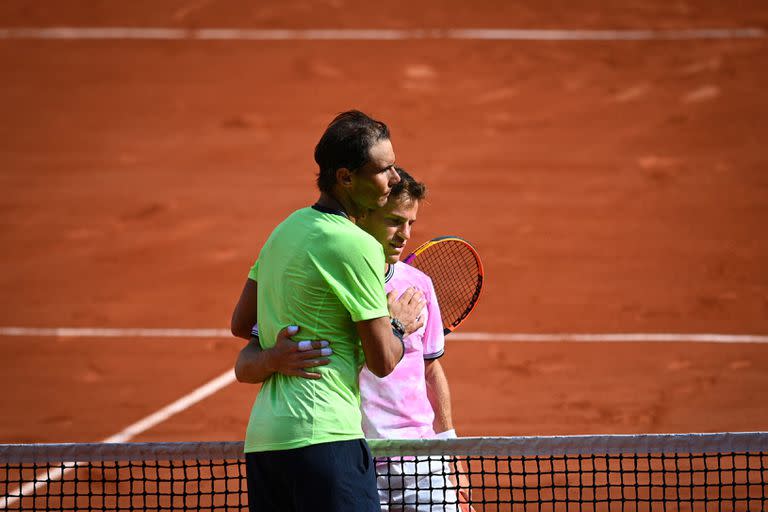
(448,434)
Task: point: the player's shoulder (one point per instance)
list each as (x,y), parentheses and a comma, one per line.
(350,235)
(336,235)
(412,274)
(331,226)
(296,220)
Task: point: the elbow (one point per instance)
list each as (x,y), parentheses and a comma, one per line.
(383,368)
(234,327)
(239,374)
(240,324)
(242,374)
(239,330)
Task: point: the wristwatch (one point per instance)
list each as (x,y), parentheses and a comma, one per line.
(398,329)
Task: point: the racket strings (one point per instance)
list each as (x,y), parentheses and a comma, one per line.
(456,276)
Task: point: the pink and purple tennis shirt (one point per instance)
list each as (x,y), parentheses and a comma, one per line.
(396,406)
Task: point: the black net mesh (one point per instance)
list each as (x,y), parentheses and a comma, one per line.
(645,473)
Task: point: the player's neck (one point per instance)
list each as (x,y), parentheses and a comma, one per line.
(331,203)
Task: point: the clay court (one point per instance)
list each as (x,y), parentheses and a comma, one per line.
(611,186)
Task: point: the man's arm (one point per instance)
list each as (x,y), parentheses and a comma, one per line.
(380,345)
(255,364)
(439,395)
(382,348)
(244,316)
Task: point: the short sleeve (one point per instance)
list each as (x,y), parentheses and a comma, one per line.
(434,339)
(355,274)
(254,273)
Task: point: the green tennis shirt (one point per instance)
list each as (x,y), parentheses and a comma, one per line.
(321,272)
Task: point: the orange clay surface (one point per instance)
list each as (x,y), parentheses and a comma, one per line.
(609,186)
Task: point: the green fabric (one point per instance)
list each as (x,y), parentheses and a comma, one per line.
(321,272)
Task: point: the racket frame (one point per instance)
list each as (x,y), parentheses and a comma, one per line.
(481,274)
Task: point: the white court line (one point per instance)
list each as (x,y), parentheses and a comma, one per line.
(99,332)
(612,338)
(176,407)
(108,332)
(503,34)
(45,477)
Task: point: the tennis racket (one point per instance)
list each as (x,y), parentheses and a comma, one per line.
(457,274)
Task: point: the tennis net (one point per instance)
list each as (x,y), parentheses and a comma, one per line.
(670,472)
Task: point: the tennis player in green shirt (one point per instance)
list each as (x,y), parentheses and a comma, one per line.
(304,443)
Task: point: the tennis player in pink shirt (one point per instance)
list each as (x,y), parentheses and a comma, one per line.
(412,402)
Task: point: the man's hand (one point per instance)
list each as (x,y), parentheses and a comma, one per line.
(407,308)
(288,357)
(294,358)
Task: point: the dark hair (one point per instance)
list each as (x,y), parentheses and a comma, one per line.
(408,187)
(347,142)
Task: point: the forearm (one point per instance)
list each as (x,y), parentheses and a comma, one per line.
(439,395)
(382,349)
(253,364)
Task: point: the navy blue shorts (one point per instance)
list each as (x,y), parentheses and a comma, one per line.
(328,477)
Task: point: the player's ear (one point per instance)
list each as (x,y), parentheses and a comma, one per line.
(343,176)
(363,216)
